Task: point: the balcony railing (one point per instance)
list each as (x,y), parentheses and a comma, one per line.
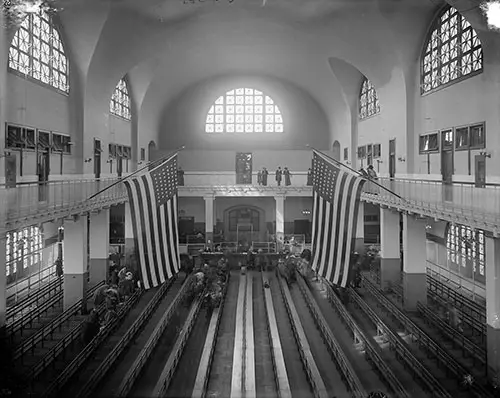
(481,204)
(465,200)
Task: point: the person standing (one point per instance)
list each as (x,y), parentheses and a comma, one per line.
(180,177)
(279,174)
(265,173)
(259,177)
(309,177)
(287,175)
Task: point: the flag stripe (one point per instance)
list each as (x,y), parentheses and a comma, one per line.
(336,201)
(153,201)
(136,229)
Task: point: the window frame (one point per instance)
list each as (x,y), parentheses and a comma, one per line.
(54,26)
(480,146)
(377,151)
(229,108)
(425,151)
(346,153)
(362,152)
(366,106)
(65,141)
(435,25)
(115,103)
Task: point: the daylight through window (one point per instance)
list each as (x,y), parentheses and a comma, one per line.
(244,110)
(368,100)
(120,101)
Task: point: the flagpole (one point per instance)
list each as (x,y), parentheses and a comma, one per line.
(358,173)
(151,162)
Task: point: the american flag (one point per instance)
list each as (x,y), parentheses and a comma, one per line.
(153,205)
(336,196)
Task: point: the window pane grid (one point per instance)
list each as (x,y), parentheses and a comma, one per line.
(453,51)
(368,100)
(465,245)
(120,101)
(244,110)
(23,249)
(37,51)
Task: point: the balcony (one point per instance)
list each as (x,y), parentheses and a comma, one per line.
(461,203)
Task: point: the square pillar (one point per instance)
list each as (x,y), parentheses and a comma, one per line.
(99,246)
(280,220)
(75,261)
(209,220)
(492,265)
(3,280)
(359,243)
(390,258)
(129,233)
(415,262)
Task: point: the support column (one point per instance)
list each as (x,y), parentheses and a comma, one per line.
(3,280)
(99,246)
(129,233)
(492,264)
(390,262)
(209,220)
(359,244)
(280,221)
(75,261)
(415,262)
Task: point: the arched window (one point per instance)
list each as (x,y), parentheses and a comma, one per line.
(452,51)
(120,101)
(368,100)
(244,110)
(37,51)
(466,249)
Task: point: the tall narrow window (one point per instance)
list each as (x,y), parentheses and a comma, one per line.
(452,51)
(244,110)
(368,100)
(120,101)
(37,51)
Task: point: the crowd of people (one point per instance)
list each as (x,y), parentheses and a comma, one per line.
(279,176)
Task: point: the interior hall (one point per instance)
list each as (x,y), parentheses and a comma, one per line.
(404,93)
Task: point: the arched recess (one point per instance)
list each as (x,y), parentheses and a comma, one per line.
(244,216)
(151,150)
(336,150)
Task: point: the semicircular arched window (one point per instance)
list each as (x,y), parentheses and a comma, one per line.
(452,51)
(244,110)
(37,51)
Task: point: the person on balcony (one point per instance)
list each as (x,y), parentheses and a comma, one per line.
(259,178)
(264,175)
(363,173)
(279,174)
(309,177)
(180,177)
(372,173)
(287,175)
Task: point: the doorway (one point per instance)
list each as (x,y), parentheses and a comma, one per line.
(392,162)
(43,166)
(97,158)
(10,171)
(480,171)
(447,164)
(336,151)
(243,168)
(119,165)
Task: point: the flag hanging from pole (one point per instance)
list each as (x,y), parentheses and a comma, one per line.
(336,200)
(153,207)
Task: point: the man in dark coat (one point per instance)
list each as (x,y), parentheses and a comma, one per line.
(265,173)
(309,177)
(180,177)
(279,174)
(287,175)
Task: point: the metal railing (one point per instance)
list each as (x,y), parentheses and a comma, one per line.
(340,358)
(111,358)
(383,369)
(425,341)
(29,283)
(402,352)
(28,345)
(136,368)
(306,356)
(85,354)
(26,305)
(207,356)
(170,367)
(465,199)
(458,198)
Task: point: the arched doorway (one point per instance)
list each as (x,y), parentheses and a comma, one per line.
(151,149)
(336,150)
(244,224)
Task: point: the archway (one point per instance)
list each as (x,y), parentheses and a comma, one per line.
(151,149)
(336,150)
(244,223)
